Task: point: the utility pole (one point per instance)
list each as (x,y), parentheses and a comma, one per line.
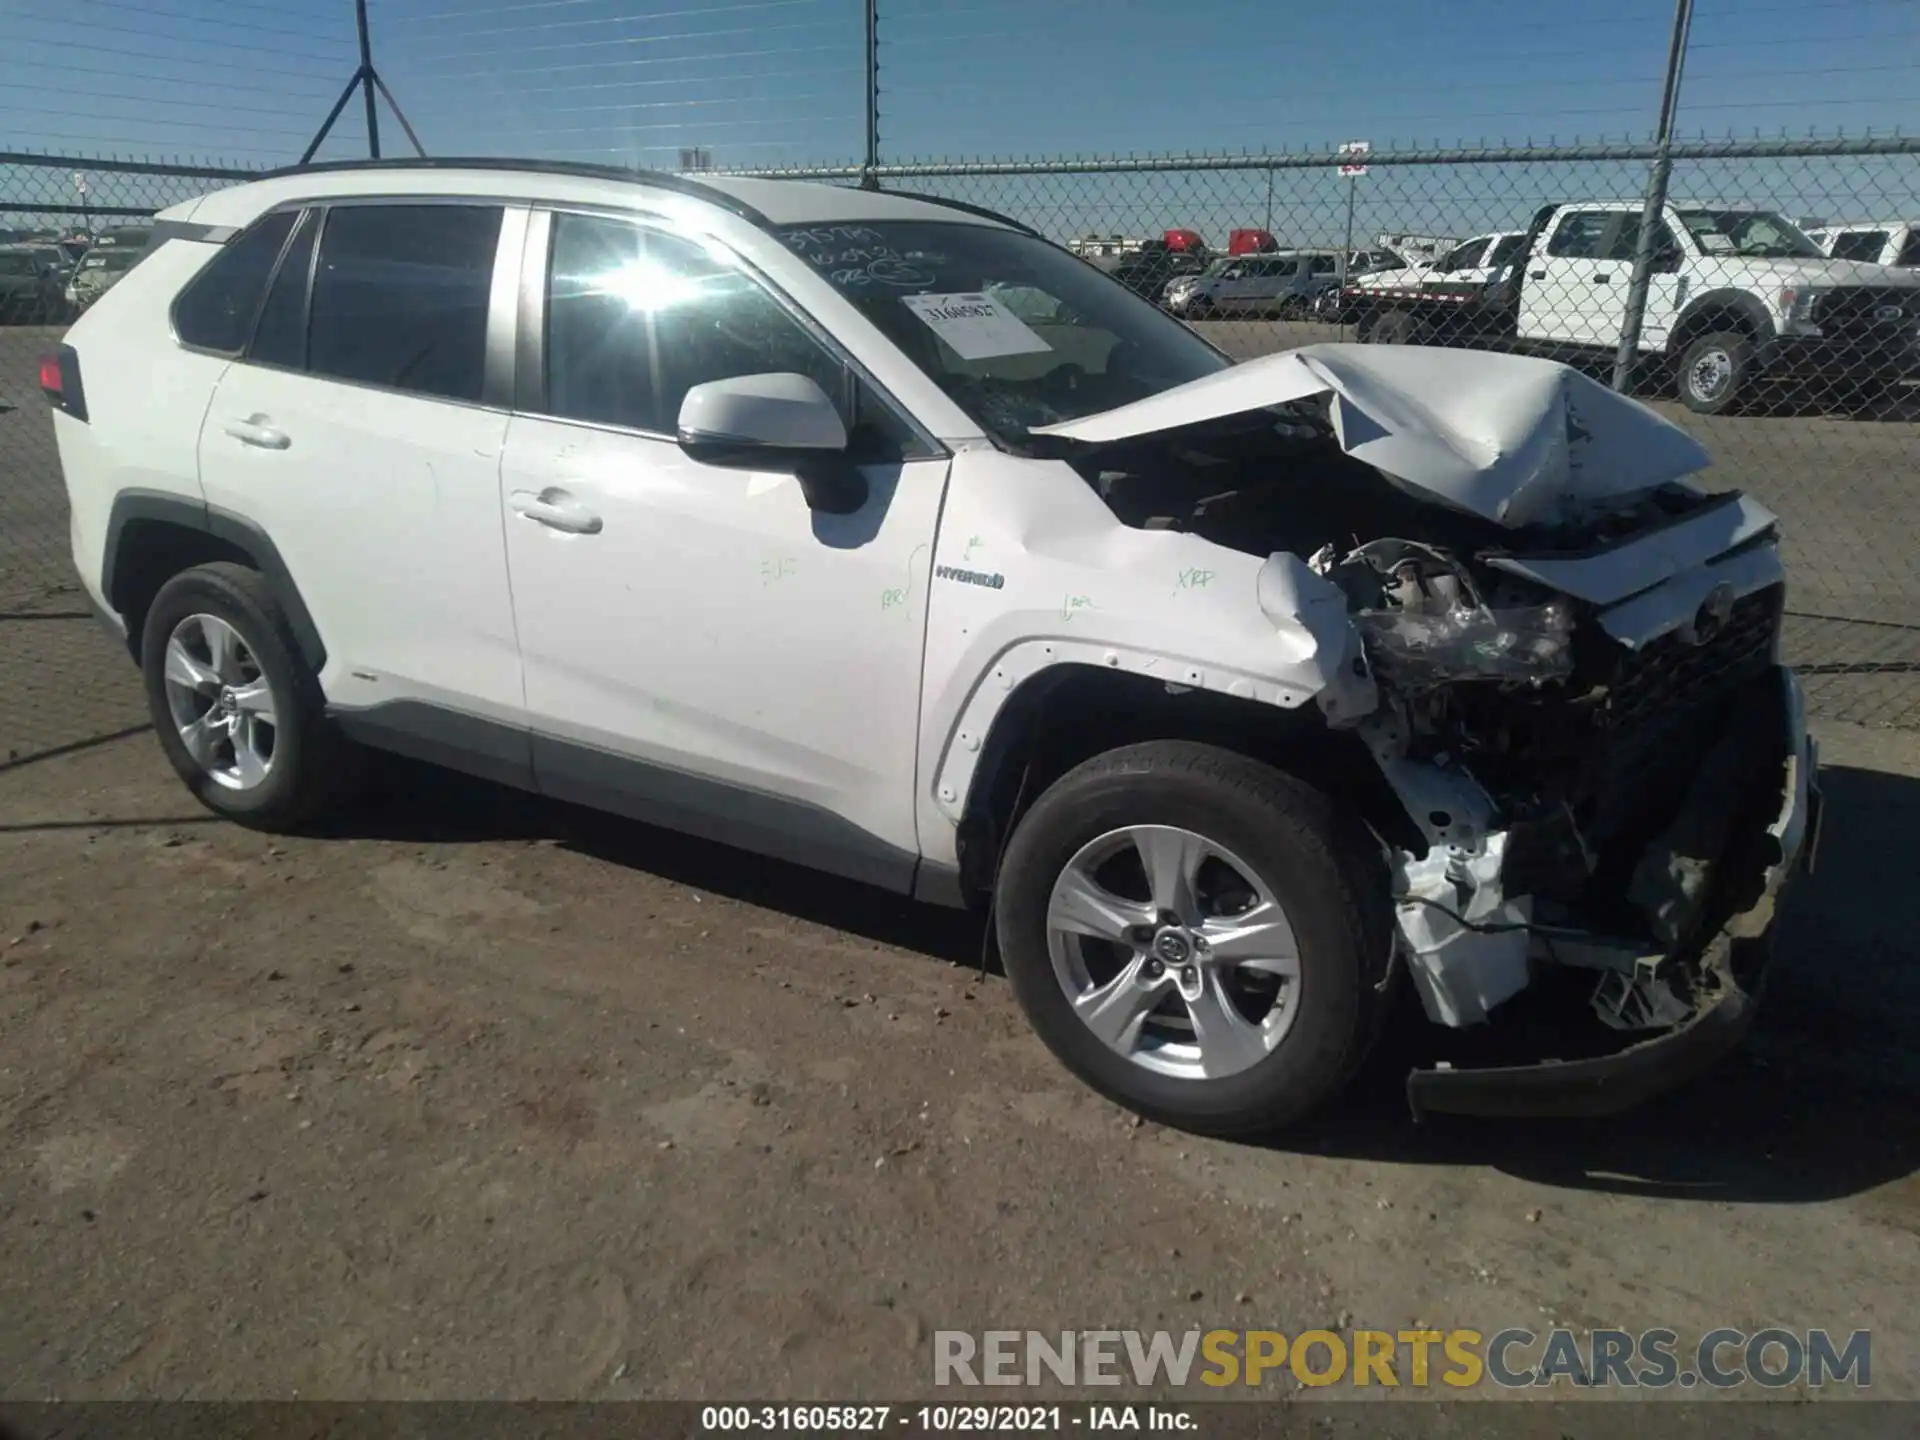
(366,79)
(1626,358)
(869,180)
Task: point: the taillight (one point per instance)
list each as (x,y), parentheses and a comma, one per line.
(60,381)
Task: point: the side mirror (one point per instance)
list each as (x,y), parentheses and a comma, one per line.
(774,421)
(1666,261)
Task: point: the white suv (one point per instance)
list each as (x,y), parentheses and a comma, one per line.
(1244,694)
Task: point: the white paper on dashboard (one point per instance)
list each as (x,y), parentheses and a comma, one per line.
(978,327)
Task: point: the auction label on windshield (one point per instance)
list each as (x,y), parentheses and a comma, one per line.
(978,327)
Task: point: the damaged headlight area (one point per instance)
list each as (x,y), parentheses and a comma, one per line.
(1601,825)
(1426,623)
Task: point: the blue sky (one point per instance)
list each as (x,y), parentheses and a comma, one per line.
(759,81)
(769,81)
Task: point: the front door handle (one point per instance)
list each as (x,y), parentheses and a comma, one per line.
(556,509)
(255,431)
(1603,279)
(1536,274)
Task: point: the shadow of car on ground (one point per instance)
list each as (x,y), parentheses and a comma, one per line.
(1822,1102)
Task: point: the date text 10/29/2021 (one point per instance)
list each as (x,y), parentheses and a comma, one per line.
(942,1419)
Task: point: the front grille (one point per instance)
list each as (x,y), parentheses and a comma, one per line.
(1663,709)
(1670,675)
(1876,314)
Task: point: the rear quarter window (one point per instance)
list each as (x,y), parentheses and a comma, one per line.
(216,310)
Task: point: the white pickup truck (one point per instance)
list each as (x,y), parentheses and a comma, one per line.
(1737,296)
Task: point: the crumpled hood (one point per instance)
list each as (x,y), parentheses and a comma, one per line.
(1509,438)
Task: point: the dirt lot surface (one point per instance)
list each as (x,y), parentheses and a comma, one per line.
(486,1097)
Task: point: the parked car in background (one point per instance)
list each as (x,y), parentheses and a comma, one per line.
(1151,269)
(1882,242)
(30,278)
(1476,261)
(1738,296)
(1249,241)
(1273,285)
(109,257)
(1374,260)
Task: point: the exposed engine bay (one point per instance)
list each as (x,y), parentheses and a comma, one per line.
(1588,804)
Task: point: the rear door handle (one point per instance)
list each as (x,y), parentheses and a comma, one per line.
(1603,279)
(556,509)
(255,431)
(1536,274)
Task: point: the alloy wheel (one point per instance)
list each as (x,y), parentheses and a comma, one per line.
(1174,952)
(220,702)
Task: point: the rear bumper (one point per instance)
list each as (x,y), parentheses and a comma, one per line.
(1734,963)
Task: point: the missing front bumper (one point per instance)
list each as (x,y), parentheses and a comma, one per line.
(1735,961)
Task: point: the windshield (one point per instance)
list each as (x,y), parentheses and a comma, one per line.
(1017,331)
(1760,234)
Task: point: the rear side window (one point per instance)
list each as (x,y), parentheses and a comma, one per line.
(400,297)
(215,312)
(1910,250)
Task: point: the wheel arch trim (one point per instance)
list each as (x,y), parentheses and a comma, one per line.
(1696,319)
(160,507)
(975,731)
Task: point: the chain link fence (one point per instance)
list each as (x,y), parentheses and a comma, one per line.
(66,228)
(1774,300)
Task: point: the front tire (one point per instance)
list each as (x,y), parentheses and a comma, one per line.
(238,712)
(1716,371)
(1396,327)
(1197,936)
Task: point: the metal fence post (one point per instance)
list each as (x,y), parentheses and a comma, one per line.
(366,78)
(869,180)
(1626,358)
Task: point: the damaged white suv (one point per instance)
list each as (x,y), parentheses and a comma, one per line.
(878,533)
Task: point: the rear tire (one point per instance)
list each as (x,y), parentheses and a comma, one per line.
(1185,1017)
(1396,327)
(1715,373)
(239,713)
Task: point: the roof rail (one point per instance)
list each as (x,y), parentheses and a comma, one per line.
(963,205)
(660,179)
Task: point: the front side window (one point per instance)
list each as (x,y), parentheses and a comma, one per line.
(1909,250)
(1759,234)
(637,317)
(400,297)
(1860,245)
(928,286)
(216,310)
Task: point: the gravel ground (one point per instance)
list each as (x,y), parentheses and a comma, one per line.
(485,1097)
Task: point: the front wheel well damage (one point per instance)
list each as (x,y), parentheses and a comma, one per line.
(1070,713)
